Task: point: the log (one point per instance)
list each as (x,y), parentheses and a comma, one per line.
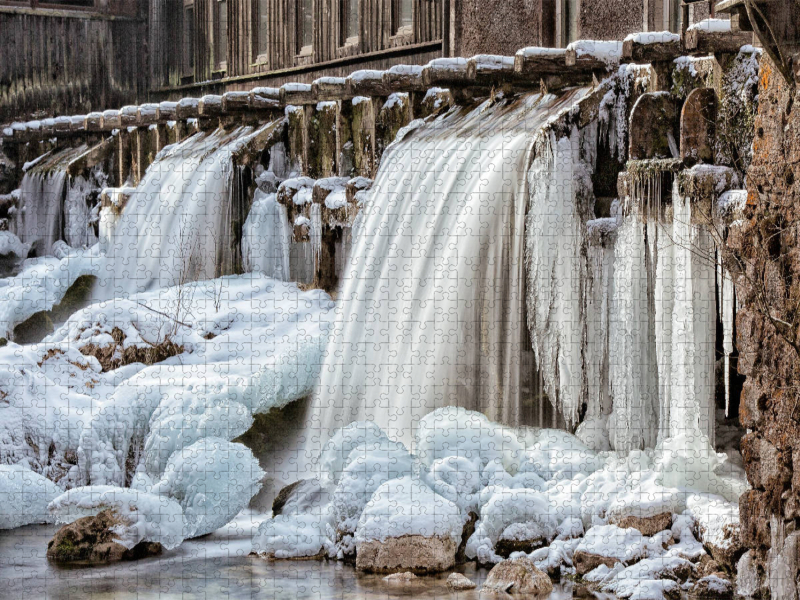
(533,62)
(446,72)
(591,55)
(48,127)
(188,108)
(77,123)
(367,83)
(492,70)
(235,101)
(62,125)
(404,78)
(650,47)
(94,121)
(210,105)
(269,135)
(128,115)
(296,94)
(111,120)
(262,98)
(148,114)
(330,88)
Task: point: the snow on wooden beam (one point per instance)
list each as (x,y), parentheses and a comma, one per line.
(404,78)
(651,46)
(446,72)
(367,83)
(592,55)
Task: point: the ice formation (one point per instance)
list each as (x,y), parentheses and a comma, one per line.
(218,380)
(266,238)
(143,517)
(213,479)
(24,496)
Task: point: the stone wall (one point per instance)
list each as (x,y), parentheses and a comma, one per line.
(497,26)
(610,20)
(767,246)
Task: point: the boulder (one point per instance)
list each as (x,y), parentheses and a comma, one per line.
(587,561)
(648,526)
(713,586)
(518,576)
(458,582)
(520,537)
(91,539)
(408,552)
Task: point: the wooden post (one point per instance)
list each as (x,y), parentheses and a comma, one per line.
(298,139)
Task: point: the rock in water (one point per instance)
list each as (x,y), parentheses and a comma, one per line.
(91,539)
(519,576)
(406,577)
(423,554)
(458,582)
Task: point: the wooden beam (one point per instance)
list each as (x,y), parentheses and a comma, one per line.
(235,101)
(404,78)
(265,98)
(446,72)
(188,108)
(95,155)
(168,111)
(367,83)
(533,62)
(128,115)
(650,47)
(296,94)
(330,88)
(148,114)
(492,70)
(701,41)
(209,105)
(590,55)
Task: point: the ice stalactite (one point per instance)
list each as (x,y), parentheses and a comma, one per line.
(560,191)
(694,328)
(634,377)
(266,238)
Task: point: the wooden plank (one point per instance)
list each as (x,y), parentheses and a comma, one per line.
(533,62)
(651,47)
(702,42)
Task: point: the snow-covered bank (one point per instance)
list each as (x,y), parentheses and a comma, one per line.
(125,388)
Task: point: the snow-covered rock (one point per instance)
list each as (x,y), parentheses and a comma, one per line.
(608,545)
(518,576)
(406,525)
(142,517)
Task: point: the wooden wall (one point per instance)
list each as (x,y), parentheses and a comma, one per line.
(63,63)
(244,59)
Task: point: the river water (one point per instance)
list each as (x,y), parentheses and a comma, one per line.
(216,566)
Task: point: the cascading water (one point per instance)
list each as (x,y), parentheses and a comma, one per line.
(177,225)
(432,307)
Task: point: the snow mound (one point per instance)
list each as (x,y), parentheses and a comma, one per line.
(504,508)
(407,506)
(369,466)
(24,496)
(455,431)
(610,541)
(213,480)
(334,456)
(292,536)
(42,283)
(144,517)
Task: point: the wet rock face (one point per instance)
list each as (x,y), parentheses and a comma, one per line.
(406,553)
(518,576)
(768,248)
(91,540)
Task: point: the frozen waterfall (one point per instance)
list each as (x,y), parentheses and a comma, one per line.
(432,308)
